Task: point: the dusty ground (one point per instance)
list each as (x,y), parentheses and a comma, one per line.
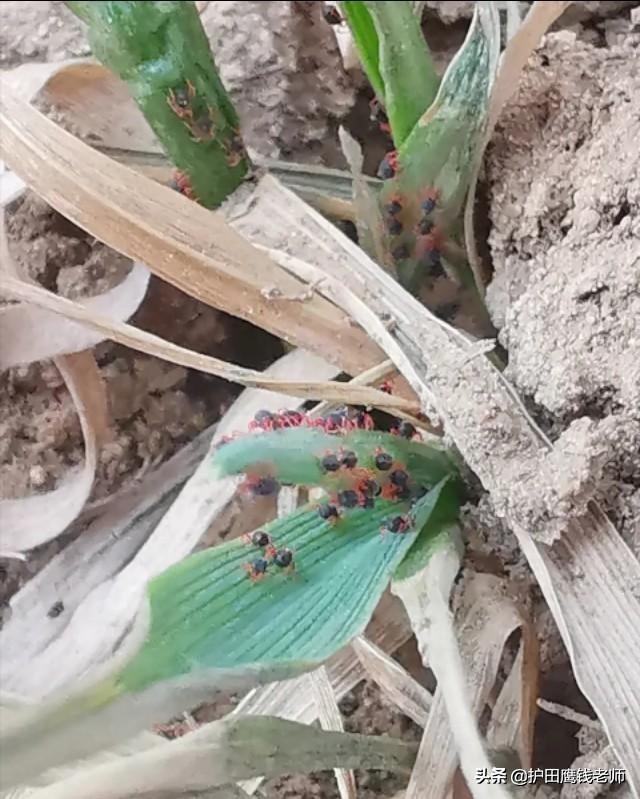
(563,179)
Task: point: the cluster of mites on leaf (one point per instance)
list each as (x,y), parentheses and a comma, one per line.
(388,480)
(428,237)
(280,559)
(203,122)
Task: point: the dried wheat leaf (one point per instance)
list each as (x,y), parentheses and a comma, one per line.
(522,42)
(472,660)
(179,240)
(109,327)
(587,573)
(11,187)
(225,751)
(330,719)
(514,712)
(396,683)
(31,521)
(29,333)
(369,221)
(90,98)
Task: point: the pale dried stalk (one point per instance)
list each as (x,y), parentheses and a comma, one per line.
(28,522)
(151,344)
(396,683)
(426,598)
(225,751)
(330,719)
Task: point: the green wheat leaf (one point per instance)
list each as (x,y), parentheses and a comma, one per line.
(206,614)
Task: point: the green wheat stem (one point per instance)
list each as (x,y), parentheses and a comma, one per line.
(162,53)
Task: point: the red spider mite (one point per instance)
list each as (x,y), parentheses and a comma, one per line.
(429,200)
(404,429)
(332,15)
(257,569)
(425,226)
(259,538)
(368,487)
(348,498)
(235,151)
(394,206)
(330,462)
(387,386)
(203,128)
(349,459)
(329,512)
(383,460)
(283,559)
(432,262)
(263,420)
(396,524)
(181,183)
(289,418)
(394,226)
(388,166)
(180,100)
(399,478)
(263,486)
(335,421)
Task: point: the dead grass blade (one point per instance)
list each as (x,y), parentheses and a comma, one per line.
(228,750)
(151,344)
(514,713)
(178,240)
(30,333)
(90,99)
(465,662)
(30,521)
(369,222)
(587,573)
(396,683)
(330,719)
(519,47)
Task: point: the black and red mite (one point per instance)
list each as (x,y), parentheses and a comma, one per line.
(329,512)
(388,166)
(348,498)
(404,429)
(383,461)
(180,100)
(349,460)
(332,15)
(181,183)
(330,462)
(260,539)
(262,486)
(396,524)
(282,558)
